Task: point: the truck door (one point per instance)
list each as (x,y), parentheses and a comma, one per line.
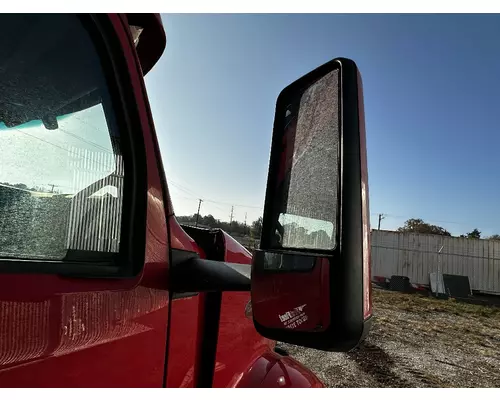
(83,235)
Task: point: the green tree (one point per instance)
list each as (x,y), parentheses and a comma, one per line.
(209,220)
(417,225)
(256,230)
(474,234)
(233,228)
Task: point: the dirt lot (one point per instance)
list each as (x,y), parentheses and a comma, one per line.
(416,341)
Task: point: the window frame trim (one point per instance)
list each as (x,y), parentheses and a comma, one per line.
(125,117)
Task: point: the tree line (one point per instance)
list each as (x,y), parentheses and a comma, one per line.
(254,229)
(293,234)
(234,227)
(417,225)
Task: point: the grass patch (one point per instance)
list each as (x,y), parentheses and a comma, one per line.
(418,303)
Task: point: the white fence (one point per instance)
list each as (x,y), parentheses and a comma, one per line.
(416,255)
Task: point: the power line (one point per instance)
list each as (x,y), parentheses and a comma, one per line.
(98,146)
(77,136)
(424,219)
(187,198)
(170,181)
(197,198)
(189,191)
(192,193)
(88,124)
(181,188)
(64,149)
(235,205)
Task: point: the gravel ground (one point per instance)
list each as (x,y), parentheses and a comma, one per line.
(416,341)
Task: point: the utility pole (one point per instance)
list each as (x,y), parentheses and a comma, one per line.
(231,216)
(380,218)
(198,215)
(245,231)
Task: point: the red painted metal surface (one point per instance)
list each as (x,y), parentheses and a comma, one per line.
(295,300)
(185,316)
(179,239)
(68,332)
(184,320)
(243,357)
(240,349)
(289,373)
(235,252)
(274,371)
(239,345)
(62,332)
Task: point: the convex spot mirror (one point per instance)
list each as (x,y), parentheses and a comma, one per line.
(311,275)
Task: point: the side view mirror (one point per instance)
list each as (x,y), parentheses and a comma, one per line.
(310,281)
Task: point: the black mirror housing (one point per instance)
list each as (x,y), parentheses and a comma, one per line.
(311,276)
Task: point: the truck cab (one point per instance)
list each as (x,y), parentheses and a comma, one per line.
(100,286)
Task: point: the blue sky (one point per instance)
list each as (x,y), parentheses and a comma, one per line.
(431,82)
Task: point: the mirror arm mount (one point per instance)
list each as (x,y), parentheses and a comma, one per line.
(189,273)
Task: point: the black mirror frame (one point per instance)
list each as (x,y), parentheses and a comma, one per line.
(348,324)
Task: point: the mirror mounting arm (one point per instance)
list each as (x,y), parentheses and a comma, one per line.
(189,273)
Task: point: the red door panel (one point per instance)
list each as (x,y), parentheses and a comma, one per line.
(182,341)
(239,344)
(85,331)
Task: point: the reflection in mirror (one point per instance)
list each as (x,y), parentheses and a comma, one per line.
(307,233)
(308,177)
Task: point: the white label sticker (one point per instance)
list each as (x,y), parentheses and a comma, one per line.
(294,318)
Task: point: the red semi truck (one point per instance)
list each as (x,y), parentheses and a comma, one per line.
(99,284)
